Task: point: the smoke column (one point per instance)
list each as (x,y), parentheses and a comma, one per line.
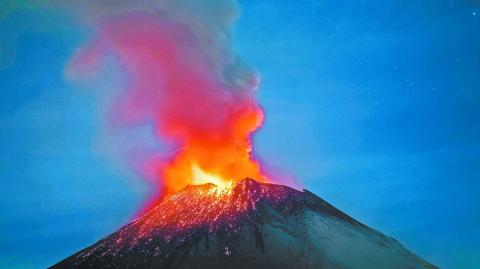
(183,79)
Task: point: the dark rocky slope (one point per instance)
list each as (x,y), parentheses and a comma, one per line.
(250,225)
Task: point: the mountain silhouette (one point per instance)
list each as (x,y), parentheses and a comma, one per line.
(248,225)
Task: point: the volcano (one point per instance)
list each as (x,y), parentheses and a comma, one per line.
(247,224)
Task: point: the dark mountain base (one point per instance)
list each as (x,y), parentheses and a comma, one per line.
(254,225)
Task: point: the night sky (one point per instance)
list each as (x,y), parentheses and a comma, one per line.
(373,106)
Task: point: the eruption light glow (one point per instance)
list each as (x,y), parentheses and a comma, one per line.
(176,86)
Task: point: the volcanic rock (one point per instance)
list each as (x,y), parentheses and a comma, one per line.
(248,225)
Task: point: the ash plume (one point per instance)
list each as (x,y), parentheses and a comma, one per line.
(182,78)
(211,21)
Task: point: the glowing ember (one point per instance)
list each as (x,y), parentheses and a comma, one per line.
(202,177)
(201,211)
(253,225)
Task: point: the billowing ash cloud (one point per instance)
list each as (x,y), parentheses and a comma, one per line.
(211,22)
(182,78)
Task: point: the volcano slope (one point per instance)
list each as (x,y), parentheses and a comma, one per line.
(248,225)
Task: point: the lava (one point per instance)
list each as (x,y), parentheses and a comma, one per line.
(200,177)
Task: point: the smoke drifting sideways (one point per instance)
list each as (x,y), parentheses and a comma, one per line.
(184,79)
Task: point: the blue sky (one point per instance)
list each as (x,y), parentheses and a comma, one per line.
(371,105)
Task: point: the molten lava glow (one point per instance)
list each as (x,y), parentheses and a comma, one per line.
(222,157)
(201,177)
(174,84)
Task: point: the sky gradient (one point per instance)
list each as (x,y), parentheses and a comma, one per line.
(372,105)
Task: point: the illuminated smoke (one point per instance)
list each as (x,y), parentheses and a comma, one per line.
(183,78)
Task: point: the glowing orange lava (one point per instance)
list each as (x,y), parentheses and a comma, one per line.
(219,160)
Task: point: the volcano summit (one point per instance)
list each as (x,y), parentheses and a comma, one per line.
(247,224)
